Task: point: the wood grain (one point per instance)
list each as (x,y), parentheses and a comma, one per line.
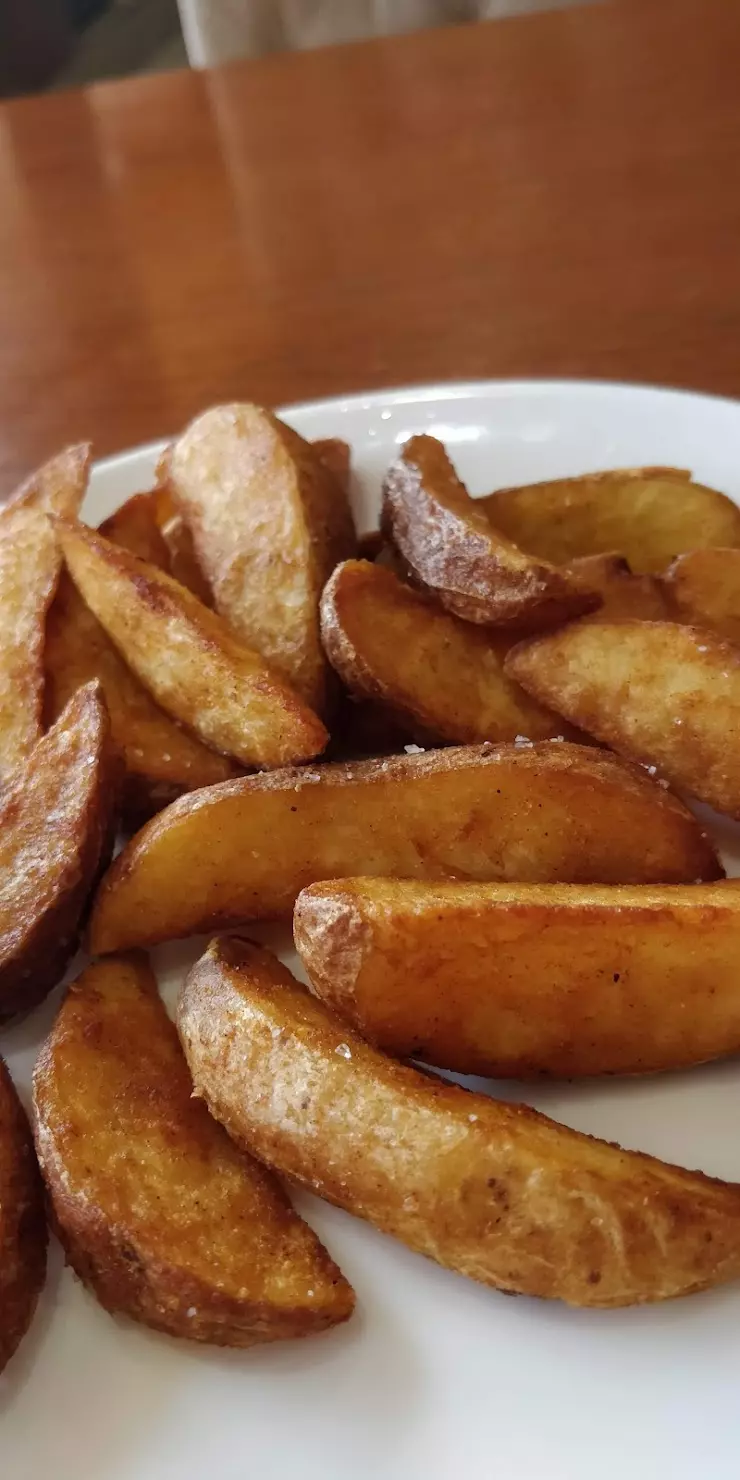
(551,195)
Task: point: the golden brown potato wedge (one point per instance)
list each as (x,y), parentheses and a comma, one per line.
(161,760)
(455,552)
(30,564)
(544,812)
(704,586)
(517,980)
(659,693)
(22,1222)
(182,559)
(442,677)
(134,527)
(336,456)
(494,1191)
(269,522)
(624,596)
(188,658)
(57,814)
(649,514)
(159,1214)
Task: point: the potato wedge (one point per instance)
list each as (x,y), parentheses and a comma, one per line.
(545,812)
(336,456)
(187,657)
(492,1190)
(269,523)
(134,527)
(182,559)
(57,815)
(649,514)
(22,1222)
(704,586)
(161,760)
(455,552)
(30,564)
(518,980)
(159,1214)
(442,677)
(659,693)
(624,596)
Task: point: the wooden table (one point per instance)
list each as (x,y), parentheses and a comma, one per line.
(552,195)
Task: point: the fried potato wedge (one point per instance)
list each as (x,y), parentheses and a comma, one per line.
(704,586)
(659,693)
(492,1190)
(159,1214)
(182,559)
(269,522)
(134,527)
(544,812)
(649,514)
(161,760)
(336,456)
(442,677)
(30,564)
(455,552)
(624,596)
(57,814)
(188,658)
(22,1222)
(518,980)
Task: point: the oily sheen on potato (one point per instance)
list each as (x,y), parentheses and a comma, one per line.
(456,553)
(57,813)
(22,1222)
(159,1214)
(659,693)
(649,515)
(244,850)
(188,658)
(495,1191)
(520,980)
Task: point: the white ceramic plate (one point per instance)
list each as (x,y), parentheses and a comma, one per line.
(435,1376)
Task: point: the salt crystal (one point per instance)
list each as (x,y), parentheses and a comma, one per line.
(414,749)
(472,1118)
(344,1049)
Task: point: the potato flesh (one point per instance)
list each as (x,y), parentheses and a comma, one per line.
(454,551)
(519,980)
(649,515)
(492,1190)
(244,850)
(443,677)
(22,1222)
(159,1214)
(188,658)
(269,522)
(660,693)
(30,564)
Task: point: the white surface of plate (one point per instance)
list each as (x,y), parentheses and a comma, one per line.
(434,1377)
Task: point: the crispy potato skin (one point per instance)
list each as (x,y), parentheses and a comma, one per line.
(336,456)
(442,677)
(455,552)
(188,658)
(704,586)
(159,1214)
(624,596)
(244,850)
(30,564)
(269,520)
(657,692)
(649,515)
(22,1222)
(520,980)
(134,527)
(57,814)
(494,1191)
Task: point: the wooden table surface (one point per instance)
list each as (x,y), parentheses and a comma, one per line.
(551,195)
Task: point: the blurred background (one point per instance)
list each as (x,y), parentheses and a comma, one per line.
(66,43)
